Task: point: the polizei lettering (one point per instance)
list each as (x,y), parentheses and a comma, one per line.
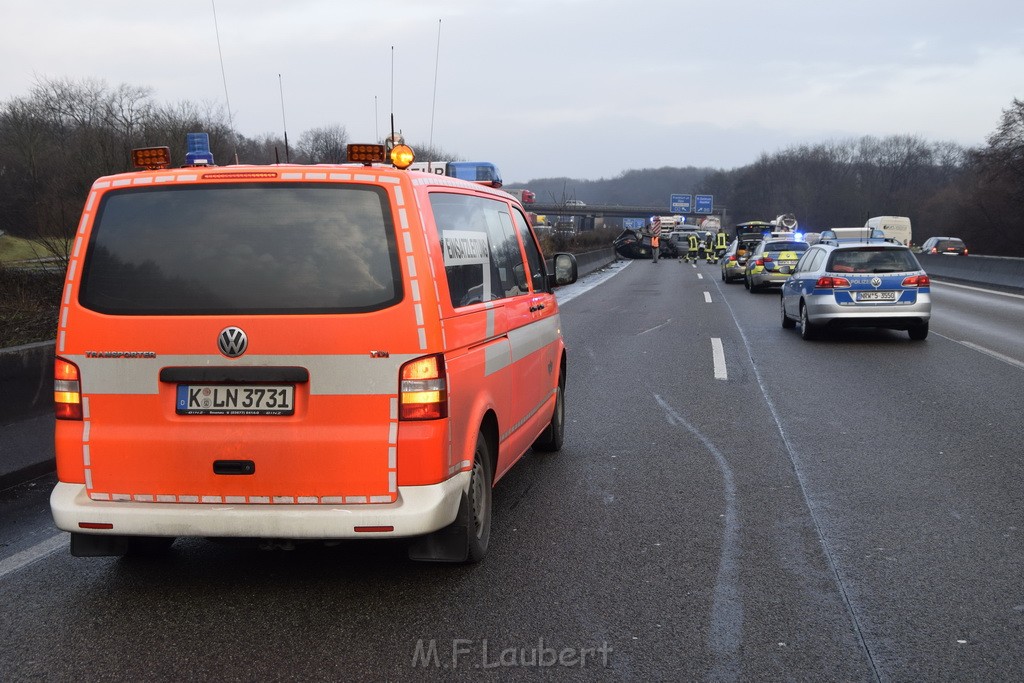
(120,354)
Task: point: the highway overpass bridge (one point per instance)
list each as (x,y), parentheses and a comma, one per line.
(587,216)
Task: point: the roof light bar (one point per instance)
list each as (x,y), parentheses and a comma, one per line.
(151,158)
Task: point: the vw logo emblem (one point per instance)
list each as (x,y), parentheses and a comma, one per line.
(875,282)
(232,342)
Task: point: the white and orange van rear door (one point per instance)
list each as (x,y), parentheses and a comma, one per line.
(307,411)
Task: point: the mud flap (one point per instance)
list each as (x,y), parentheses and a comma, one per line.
(98,545)
(449,544)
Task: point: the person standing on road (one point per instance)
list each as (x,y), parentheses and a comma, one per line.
(720,244)
(692,244)
(655,238)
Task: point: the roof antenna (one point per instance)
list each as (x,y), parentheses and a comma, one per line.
(392,139)
(284,124)
(433,106)
(224,77)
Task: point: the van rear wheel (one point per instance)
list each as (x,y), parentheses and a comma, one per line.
(478,499)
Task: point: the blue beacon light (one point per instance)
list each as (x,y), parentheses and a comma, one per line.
(198,153)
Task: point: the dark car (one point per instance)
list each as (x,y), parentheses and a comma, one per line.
(949,246)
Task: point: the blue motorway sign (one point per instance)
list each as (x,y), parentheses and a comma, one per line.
(634,223)
(680,203)
(705,203)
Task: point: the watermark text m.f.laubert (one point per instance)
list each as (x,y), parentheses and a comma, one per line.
(482,654)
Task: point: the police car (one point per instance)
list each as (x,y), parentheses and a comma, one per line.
(857,283)
(772,260)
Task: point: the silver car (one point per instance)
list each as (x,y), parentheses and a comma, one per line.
(860,283)
(772,261)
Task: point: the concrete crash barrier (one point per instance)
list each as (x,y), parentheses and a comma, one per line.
(983,270)
(26,381)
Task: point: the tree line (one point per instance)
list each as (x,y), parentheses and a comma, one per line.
(55,141)
(63,134)
(946,189)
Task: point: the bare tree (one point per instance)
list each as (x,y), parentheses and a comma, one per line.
(324,145)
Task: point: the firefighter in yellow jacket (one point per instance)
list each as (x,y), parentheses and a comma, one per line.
(692,246)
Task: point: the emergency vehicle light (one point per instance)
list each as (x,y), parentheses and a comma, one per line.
(151,158)
(366,154)
(476,171)
(198,153)
(67,390)
(402,156)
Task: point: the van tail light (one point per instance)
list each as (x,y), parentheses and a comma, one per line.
(423,389)
(826,282)
(67,390)
(916,281)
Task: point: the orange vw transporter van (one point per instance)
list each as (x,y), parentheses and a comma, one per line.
(300,352)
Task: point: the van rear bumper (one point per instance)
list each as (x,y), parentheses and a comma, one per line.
(419,510)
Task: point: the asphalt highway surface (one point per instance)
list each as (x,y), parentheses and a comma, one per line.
(731,503)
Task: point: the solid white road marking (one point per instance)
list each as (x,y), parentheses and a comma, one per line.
(26,557)
(718,353)
(988,352)
(978,289)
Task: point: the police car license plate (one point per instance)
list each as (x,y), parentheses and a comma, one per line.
(876,296)
(242,399)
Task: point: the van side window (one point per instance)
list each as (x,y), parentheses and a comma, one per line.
(480,249)
(537,267)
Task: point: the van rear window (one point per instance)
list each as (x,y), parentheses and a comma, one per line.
(254,248)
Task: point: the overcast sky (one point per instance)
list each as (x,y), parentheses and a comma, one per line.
(549,88)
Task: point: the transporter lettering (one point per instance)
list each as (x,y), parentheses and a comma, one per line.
(120,354)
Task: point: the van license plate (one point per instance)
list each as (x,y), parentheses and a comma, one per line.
(221,399)
(876,296)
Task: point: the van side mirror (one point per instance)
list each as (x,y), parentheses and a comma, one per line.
(566,270)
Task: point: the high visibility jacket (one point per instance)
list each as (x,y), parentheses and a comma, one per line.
(720,241)
(693,242)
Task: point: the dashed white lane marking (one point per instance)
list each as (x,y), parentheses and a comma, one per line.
(707,297)
(718,353)
(700,276)
(19,561)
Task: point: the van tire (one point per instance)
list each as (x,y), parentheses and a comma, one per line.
(551,439)
(478,500)
(465,540)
